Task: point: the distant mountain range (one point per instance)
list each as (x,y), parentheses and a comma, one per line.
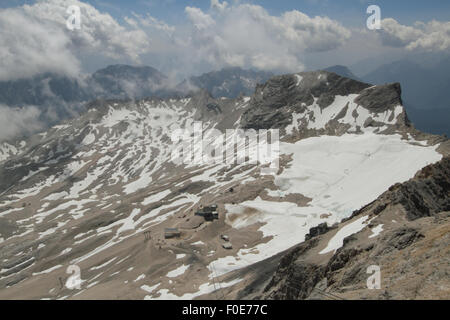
(60,97)
(125,82)
(228,82)
(117,81)
(424,90)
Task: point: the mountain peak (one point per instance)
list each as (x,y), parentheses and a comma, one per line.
(324,102)
(126,68)
(229,82)
(122,71)
(343,71)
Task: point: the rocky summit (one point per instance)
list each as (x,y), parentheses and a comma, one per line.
(96,207)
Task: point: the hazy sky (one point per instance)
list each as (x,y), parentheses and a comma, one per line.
(191,37)
(350,12)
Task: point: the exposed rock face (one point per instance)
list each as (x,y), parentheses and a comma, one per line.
(303,276)
(427,195)
(316,231)
(412,250)
(380,98)
(299,100)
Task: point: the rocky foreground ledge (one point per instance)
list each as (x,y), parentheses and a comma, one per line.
(405,232)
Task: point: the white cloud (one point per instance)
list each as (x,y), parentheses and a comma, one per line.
(150,22)
(29,46)
(228,34)
(17,121)
(98,30)
(35,39)
(199,19)
(216,4)
(431,36)
(248,36)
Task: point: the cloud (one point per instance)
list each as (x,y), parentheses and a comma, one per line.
(199,19)
(29,46)
(247,35)
(150,22)
(215,4)
(18,121)
(431,36)
(98,30)
(34,38)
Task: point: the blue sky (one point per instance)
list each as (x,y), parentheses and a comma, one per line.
(348,12)
(405,11)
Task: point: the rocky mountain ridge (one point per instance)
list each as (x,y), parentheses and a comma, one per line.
(405,233)
(98,191)
(57,97)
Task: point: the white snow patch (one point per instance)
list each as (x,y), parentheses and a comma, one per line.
(338,239)
(103,265)
(177,272)
(47,271)
(156,197)
(148,288)
(128,223)
(342,174)
(67,250)
(205,288)
(142,276)
(88,139)
(376,231)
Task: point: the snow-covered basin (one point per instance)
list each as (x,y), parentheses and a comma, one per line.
(340,174)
